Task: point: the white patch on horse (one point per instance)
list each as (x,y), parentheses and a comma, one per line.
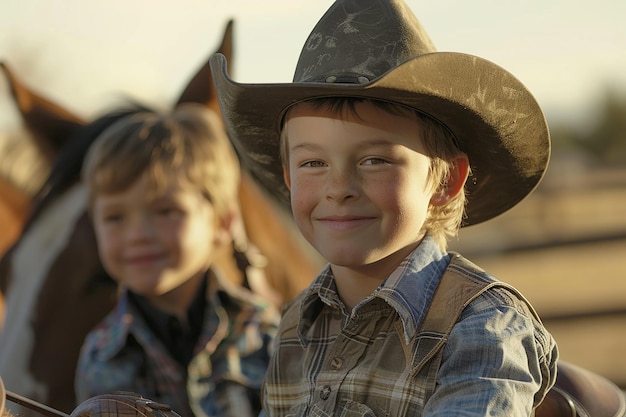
(21,164)
(31,261)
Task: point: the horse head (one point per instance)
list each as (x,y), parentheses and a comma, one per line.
(50,126)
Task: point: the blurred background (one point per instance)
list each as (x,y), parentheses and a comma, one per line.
(564,247)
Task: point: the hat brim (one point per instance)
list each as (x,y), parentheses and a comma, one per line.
(496,120)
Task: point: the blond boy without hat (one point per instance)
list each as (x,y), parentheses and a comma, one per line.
(388,147)
(163,196)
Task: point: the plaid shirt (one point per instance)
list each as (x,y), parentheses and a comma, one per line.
(499,360)
(224,376)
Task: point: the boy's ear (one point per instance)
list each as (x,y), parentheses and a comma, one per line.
(286,176)
(226,229)
(454,183)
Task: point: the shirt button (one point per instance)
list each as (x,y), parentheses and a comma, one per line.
(336,363)
(325,392)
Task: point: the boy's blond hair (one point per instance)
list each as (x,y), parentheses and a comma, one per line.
(188,144)
(442,222)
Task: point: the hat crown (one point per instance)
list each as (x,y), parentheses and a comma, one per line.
(357,41)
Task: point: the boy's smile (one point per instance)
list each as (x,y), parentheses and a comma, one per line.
(358,185)
(144,260)
(345,223)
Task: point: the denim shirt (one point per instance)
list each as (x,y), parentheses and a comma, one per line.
(499,360)
(224,375)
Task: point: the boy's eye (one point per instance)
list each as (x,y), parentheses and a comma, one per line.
(112,218)
(313,164)
(168,211)
(374,161)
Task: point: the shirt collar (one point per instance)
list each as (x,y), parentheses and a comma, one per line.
(179,336)
(161,321)
(126,318)
(408,290)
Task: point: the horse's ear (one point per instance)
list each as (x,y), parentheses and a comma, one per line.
(50,124)
(201,89)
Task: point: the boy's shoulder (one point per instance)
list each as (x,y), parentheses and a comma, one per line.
(461,283)
(466,289)
(465,281)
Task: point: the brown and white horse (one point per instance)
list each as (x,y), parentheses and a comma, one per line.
(54,286)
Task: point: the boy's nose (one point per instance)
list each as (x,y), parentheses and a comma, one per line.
(341,185)
(140,227)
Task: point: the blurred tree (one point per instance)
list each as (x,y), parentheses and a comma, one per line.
(604,142)
(607,139)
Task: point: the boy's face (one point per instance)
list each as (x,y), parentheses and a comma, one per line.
(155,243)
(359,189)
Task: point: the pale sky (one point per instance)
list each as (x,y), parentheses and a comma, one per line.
(84,53)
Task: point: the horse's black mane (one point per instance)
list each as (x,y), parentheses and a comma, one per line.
(66,170)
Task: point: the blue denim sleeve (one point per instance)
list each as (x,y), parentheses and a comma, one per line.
(499,361)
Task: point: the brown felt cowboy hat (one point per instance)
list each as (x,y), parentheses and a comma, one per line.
(377,49)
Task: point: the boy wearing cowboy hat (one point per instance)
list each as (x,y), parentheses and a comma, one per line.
(387,148)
